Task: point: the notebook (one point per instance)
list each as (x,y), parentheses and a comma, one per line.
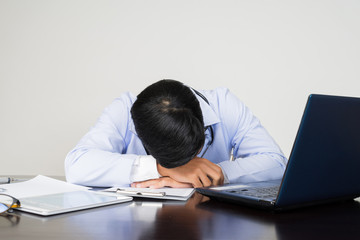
(323,165)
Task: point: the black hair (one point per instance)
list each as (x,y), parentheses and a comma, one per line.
(168,120)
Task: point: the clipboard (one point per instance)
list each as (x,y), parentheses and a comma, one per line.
(181,194)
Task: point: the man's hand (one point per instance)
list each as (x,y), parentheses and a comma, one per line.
(160,183)
(199,172)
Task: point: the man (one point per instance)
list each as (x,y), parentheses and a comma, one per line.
(172,135)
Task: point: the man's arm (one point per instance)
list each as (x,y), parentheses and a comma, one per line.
(257,155)
(199,172)
(98,158)
(160,183)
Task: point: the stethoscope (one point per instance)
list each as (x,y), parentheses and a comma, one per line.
(207,127)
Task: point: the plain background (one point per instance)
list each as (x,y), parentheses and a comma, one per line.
(62,62)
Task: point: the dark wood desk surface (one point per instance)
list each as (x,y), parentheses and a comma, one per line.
(198,218)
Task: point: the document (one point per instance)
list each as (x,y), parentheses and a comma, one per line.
(182,194)
(40,185)
(47,196)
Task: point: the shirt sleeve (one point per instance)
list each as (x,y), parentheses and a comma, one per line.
(257,156)
(101,158)
(144,168)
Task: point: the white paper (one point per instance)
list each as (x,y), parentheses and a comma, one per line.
(40,185)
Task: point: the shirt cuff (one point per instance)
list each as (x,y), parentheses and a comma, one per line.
(226,179)
(144,168)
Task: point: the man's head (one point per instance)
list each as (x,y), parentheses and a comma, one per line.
(168,120)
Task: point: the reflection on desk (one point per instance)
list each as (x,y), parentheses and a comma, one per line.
(198,218)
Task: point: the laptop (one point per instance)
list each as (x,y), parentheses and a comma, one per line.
(323,166)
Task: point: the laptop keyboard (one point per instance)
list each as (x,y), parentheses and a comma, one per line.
(263,192)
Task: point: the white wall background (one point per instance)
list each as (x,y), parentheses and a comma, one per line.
(62,62)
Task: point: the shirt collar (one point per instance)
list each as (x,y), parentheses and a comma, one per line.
(132,126)
(209,115)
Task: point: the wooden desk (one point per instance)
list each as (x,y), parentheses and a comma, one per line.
(199,218)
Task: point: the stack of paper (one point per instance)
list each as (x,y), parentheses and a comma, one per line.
(47,196)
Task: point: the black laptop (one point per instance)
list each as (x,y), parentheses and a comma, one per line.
(324,164)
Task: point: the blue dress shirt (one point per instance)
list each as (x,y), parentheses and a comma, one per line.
(109,152)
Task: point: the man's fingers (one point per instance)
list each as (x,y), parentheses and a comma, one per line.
(214,173)
(144,184)
(205,180)
(160,183)
(176,184)
(216,176)
(199,172)
(196,182)
(200,179)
